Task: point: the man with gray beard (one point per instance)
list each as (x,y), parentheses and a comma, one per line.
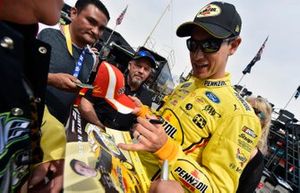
(139,70)
(97,111)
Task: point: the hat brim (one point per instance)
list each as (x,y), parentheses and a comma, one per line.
(186,29)
(153,64)
(123,104)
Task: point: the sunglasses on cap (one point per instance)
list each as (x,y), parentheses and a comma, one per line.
(210,45)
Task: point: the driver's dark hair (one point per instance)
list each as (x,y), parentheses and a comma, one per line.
(81,4)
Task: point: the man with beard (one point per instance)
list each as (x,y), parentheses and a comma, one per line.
(97,110)
(88,20)
(205,138)
(139,70)
(71,59)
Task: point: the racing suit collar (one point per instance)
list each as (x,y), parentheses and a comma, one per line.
(221,82)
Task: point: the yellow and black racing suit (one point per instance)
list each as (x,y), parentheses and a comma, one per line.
(212,132)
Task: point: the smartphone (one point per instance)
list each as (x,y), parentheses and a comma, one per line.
(82,85)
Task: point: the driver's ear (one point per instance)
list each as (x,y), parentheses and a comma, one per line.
(234,45)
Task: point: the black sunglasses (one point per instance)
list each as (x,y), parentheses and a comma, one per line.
(210,45)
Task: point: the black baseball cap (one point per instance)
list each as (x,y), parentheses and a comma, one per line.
(219,19)
(145,54)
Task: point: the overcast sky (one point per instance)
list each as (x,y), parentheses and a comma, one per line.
(276,76)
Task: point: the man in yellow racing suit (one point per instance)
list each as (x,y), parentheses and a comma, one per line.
(209,130)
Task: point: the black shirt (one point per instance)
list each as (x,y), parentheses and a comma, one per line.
(24,63)
(59,102)
(251,174)
(144,94)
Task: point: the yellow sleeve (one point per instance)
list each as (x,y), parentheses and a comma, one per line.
(222,160)
(53,140)
(168,151)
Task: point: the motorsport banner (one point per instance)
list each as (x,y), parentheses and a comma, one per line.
(94,163)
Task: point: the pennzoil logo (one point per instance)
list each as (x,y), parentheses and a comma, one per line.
(170,130)
(172,126)
(214,83)
(199,121)
(209,11)
(191,181)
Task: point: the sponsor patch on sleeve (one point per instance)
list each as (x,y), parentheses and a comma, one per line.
(191,178)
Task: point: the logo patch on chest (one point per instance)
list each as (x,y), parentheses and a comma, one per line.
(212,97)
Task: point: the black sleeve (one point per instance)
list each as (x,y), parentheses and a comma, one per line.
(251,175)
(146,97)
(88,95)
